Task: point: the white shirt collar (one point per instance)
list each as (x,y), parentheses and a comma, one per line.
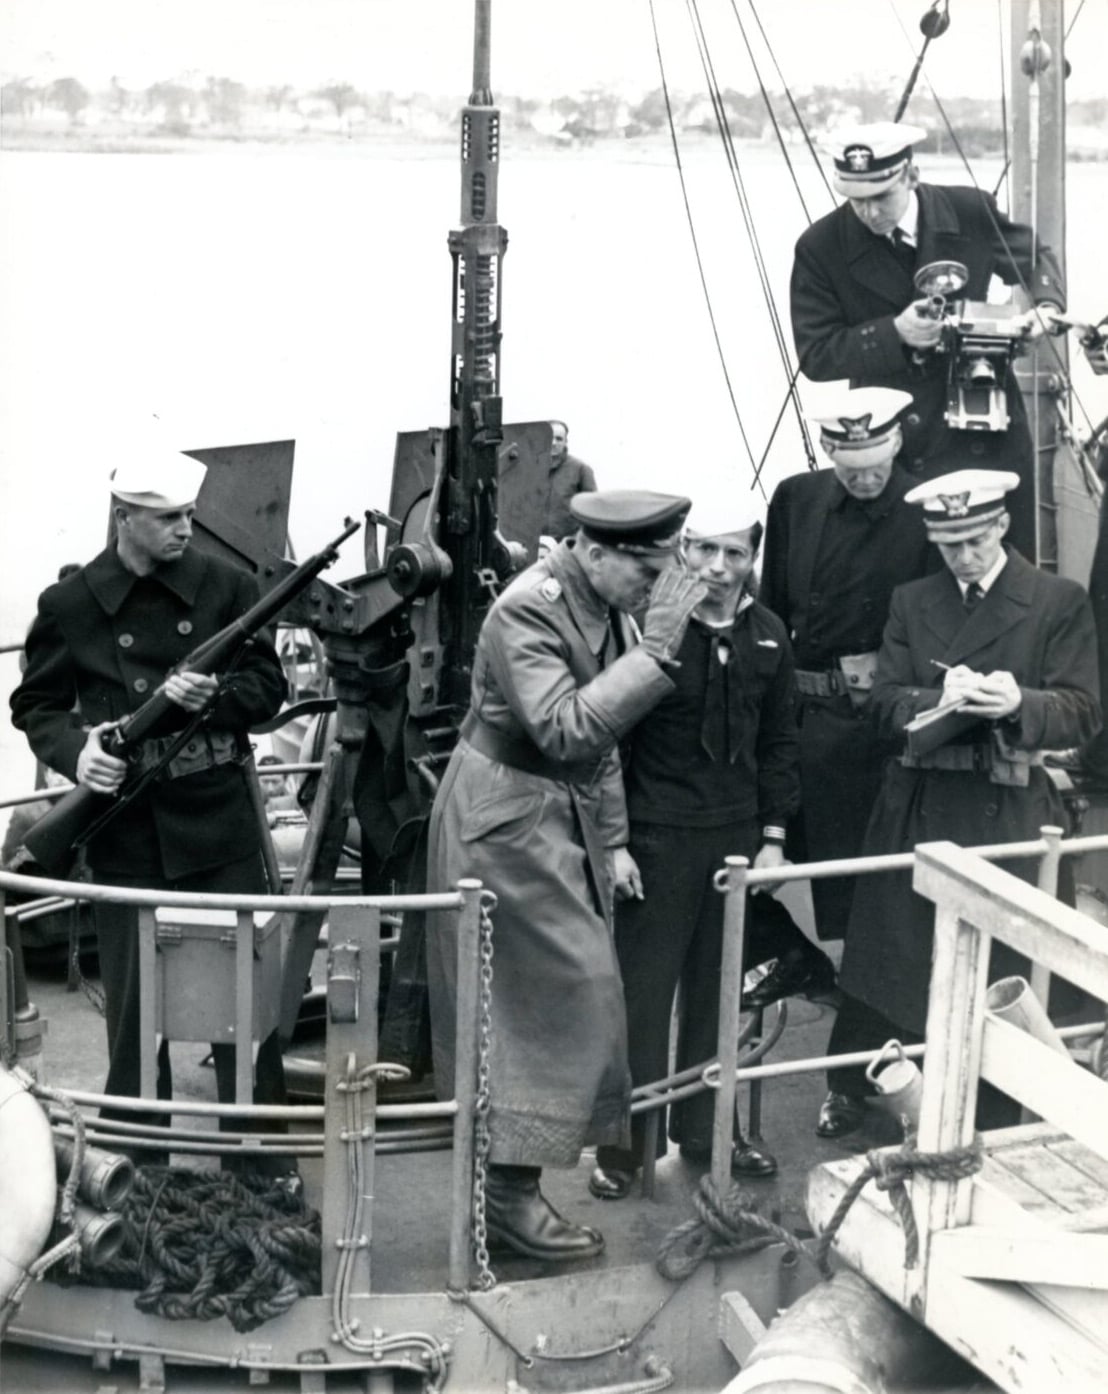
(908,222)
(989,577)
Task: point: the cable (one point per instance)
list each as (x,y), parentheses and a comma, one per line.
(1003,104)
(692,233)
(793,107)
(727,139)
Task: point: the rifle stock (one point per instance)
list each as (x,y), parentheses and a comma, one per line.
(55,836)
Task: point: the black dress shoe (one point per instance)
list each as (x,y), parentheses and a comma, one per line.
(746,1159)
(519,1217)
(606,1183)
(798,974)
(840,1114)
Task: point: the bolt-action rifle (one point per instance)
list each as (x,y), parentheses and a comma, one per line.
(81,813)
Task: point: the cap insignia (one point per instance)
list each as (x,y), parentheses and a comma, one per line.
(856,427)
(858,158)
(551,588)
(956,505)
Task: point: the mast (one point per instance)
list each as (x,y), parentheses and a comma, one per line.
(1066,518)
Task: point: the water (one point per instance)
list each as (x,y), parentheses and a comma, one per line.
(262,294)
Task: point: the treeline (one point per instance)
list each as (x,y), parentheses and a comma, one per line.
(225,108)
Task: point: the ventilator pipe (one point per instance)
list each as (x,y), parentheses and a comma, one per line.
(99,1232)
(105,1178)
(845,1337)
(27,1184)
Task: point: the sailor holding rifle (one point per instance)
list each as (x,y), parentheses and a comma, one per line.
(101,643)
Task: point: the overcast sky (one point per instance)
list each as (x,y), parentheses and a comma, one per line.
(540,47)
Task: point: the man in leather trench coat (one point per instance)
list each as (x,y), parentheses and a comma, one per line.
(532,804)
(101,643)
(856,312)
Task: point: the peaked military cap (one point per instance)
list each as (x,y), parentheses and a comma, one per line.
(869,159)
(163,479)
(856,421)
(632,520)
(962,502)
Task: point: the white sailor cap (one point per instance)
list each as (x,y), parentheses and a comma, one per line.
(962,502)
(869,159)
(857,424)
(161,479)
(723,509)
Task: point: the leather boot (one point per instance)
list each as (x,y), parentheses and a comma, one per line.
(519,1217)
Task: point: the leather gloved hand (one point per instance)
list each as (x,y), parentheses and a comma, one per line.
(675,596)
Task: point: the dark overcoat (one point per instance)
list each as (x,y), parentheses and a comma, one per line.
(1040,629)
(847,287)
(102,641)
(830,569)
(548,687)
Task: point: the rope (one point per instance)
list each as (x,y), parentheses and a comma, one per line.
(727,1224)
(204,1245)
(889,1170)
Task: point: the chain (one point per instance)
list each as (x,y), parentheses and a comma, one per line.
(485,1277)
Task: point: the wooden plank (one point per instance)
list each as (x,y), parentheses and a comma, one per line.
(1072,1191)
(1013,1339)
(955,1012)
(1033,1201)
(1010,910)
(1082,1158)
(979,1251)
(1063,1320)
(1050,1085)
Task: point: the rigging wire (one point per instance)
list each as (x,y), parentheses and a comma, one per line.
(1003,103)
(801,123)
(770,111)
(1059,364)
(727,139)
(692,233)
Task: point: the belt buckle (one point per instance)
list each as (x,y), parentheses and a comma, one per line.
(982,759)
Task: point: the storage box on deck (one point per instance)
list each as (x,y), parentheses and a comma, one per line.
(195,974)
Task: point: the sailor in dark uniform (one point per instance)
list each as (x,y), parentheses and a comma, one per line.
(1018,647)
(856,313)
(101,643)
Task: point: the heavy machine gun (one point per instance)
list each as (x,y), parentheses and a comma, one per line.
(400,639)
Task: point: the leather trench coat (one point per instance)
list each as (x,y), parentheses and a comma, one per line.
(533,820)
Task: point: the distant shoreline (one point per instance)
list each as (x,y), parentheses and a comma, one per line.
(650,147)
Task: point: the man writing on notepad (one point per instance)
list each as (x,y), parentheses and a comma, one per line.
(1011,652)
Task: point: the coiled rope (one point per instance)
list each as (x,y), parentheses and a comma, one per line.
(210,1244)
(726,1224)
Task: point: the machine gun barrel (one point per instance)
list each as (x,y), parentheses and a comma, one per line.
(67,825)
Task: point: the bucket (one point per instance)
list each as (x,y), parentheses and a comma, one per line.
(1012,1000)
(899,1084)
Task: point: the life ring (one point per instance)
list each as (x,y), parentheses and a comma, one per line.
(28,1186)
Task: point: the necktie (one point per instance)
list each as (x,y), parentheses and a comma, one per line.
(973,597)
(903,250)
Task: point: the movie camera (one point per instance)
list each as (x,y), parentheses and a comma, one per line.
(980,340)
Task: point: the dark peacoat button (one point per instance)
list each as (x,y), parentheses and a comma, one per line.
(991,810)
(126,640)
(184,626)
(912,419)
(140,684)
